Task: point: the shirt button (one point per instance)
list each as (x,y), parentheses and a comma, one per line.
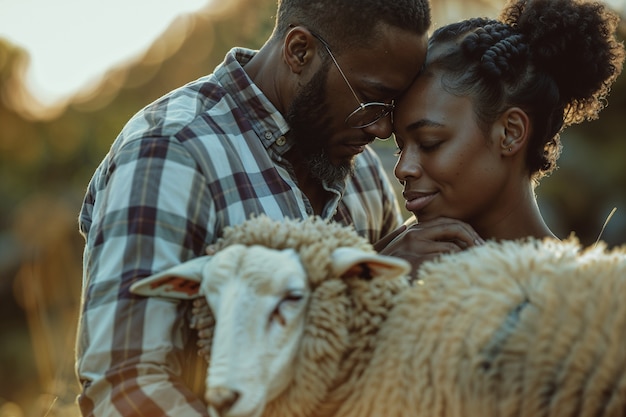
(281,141)
(268,135)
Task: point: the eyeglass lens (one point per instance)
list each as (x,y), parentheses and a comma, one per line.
(368,114)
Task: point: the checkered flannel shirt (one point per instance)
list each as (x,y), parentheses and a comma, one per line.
(202,157)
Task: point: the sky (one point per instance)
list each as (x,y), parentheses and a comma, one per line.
(73,42)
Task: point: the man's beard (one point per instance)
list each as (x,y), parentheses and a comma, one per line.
(308,117)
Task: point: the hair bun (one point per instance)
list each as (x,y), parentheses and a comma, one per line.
(572,41)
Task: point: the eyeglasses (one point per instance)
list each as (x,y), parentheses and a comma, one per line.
(367,113)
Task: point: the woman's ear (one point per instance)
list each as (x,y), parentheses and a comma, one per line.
(513,131)
(299,49)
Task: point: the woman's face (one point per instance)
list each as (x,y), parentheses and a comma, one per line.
(447,165)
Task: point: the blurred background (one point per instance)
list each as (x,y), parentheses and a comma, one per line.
(72,72)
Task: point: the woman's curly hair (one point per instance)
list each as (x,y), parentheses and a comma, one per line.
(555,59)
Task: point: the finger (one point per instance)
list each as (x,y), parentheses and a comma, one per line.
(417,260)
(447,230)
(382,243)
(417,251)
(425,249)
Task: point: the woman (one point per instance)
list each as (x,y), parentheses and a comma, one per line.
(480,126)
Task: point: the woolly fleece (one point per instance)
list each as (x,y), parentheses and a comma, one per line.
(519,328)
(532,328)
(343,315)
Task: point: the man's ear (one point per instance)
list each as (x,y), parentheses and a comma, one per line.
(299,48)
(512,129)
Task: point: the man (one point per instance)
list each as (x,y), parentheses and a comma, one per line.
(282,131)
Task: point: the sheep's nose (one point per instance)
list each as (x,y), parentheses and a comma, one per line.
(221,399)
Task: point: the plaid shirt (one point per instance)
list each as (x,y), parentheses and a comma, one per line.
(203,157)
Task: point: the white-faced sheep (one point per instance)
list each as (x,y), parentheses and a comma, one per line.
(310,321)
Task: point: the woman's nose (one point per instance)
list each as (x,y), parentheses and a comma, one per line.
(408,166)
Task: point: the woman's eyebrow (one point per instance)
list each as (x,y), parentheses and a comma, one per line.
(423,123)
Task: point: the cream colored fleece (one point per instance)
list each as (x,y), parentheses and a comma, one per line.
(533,328)
(342,318)
(522,329)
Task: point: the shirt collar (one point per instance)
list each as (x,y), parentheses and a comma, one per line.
(269,124)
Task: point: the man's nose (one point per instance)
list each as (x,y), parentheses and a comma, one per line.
(382,129)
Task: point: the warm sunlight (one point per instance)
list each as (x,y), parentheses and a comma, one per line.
(72,42)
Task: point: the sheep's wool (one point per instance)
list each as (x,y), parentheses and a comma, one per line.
(314,239)
(343,316)
(532,328)
(519,328)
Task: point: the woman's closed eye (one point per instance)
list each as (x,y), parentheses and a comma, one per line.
(429,146)
(424,146)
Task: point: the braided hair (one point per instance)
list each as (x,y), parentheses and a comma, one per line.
(555,59)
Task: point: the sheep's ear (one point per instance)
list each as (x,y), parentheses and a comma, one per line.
(181,281)
(355,262)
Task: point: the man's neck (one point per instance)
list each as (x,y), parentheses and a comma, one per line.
(266,75)
(311,187)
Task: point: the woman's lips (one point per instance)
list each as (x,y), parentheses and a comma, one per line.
(416,201)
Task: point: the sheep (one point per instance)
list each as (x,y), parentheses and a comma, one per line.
(310,321)
(254,270)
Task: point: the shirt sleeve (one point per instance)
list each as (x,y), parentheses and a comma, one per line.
(146,209)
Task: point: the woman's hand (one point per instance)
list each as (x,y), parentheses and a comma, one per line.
(420,242)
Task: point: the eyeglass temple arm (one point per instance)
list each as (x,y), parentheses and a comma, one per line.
(339,68)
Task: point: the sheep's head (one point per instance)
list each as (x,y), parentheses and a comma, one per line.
(258,297)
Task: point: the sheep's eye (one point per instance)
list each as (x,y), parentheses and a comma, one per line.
(290,297)
(293,296)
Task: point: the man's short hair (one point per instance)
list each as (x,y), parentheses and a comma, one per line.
(352,23)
